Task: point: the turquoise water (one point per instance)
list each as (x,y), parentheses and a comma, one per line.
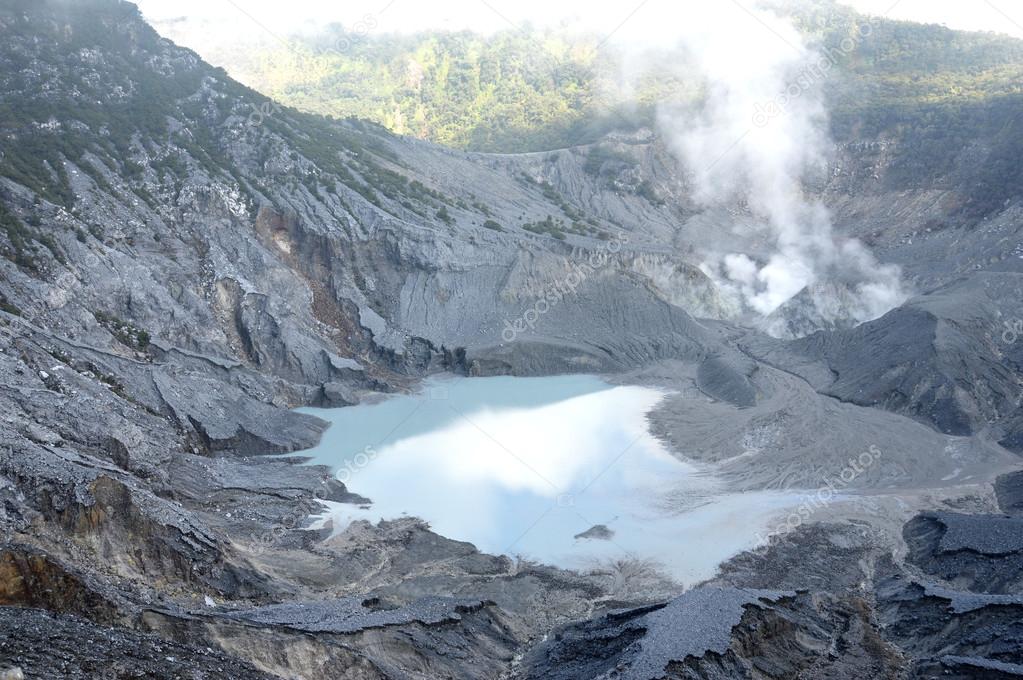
(523,466)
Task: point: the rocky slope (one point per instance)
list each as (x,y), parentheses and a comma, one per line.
(184,261)
(822,602)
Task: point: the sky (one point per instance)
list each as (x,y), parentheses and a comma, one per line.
(642,20)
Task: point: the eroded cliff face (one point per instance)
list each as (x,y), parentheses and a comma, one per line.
(185,261)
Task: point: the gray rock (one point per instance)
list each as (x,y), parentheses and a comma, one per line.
(598,532)
(351,615)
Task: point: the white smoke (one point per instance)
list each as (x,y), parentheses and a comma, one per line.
(760,136)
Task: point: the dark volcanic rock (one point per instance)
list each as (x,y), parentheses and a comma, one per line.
(940,358)
(727,379)
(640,644)
(985,534)
(598,532)
(962,602)
(968,668)
(816,557)
(738,633)
(929,622)
(981,553)
(970,624)
(45,646)
(882,618)
(1009,489)
(353,614)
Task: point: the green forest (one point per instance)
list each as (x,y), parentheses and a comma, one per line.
(531,90)
(514,91)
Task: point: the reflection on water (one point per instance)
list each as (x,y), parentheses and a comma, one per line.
(522,466)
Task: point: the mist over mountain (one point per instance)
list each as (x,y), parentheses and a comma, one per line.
(808,256)
(536,89)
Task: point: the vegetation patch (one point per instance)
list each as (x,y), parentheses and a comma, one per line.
(9,307)
(126,333)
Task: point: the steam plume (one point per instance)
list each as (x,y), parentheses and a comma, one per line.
(761,134)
